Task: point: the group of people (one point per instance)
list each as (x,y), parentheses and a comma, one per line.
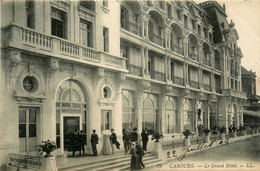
(109,142)
(77,141)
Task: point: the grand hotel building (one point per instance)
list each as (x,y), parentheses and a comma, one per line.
(82,65)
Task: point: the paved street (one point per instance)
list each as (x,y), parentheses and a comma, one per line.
(239,155)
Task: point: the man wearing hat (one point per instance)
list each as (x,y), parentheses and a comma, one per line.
(94,142)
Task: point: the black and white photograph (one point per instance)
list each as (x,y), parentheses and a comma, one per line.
(130,85)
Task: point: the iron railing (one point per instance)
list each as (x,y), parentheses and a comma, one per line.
(132,27)
(25,161)
(134,69)
(158,75)
(177,80)
(193,56)
(194,84)
(207,87)
(158,39)
(177,49)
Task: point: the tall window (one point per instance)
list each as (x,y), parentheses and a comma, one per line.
(86,34)
(30,9)
(185,21)
(58,23)
(199,29)
(150,113)
(128,110)
(90,4)
(124,18)
(106,39)
(105,3)
(171,116)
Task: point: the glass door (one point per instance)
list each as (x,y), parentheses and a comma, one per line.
(28,128)
(71,124)
(106,120)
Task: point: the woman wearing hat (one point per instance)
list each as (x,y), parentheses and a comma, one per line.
(135,162)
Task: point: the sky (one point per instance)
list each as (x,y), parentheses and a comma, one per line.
(246,16)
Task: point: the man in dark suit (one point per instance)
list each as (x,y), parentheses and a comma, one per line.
(94,142)
(82,137)
(113,138)
(145,139)
(127,140)
(134,135)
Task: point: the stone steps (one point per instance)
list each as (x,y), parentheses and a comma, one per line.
(115,163)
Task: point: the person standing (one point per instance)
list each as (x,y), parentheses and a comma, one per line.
(113,139)
(134,135)
(127,140)
(107,144)
(94,142)
(82,138)
(145,139)
(140,153)
(135,162)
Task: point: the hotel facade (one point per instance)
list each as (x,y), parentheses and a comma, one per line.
(81,65)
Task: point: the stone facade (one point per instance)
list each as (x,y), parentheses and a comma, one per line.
(161,65)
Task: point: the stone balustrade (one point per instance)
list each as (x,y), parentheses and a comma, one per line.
(30,40)
(235,93)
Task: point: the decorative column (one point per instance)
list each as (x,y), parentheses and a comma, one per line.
(146,58)
(200,52)
(144,24)
(167,36)
(212,83)
(143,61)
(201,85)
(186,45)
(138,110)
(169,70)
(185,74)
(166,68)
(212,59)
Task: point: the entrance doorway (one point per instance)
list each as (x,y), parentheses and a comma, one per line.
(28,128)
(70,125)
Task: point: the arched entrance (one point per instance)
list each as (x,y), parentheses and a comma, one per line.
(71,112)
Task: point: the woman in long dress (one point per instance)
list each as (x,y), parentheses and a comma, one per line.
(135,163)
(107,147)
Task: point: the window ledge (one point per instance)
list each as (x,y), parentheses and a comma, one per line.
(105,9)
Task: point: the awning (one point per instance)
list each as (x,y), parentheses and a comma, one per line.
(252,113)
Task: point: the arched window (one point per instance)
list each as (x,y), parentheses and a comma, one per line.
(150,113)
(171,118)
(128,118)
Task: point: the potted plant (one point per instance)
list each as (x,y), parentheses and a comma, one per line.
(222,131)
(157,136)
(207,135)
(48,162)
(187,133)
(47,147)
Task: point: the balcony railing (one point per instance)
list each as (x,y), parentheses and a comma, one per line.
(27,39)
(177,49)
(132,27)
(157,39)
(24,161)
(177,80)
(207,87)
(158,75)
(194,84)
(218,90)
(206,62)
(134,69)
(235,93)
(193,56)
